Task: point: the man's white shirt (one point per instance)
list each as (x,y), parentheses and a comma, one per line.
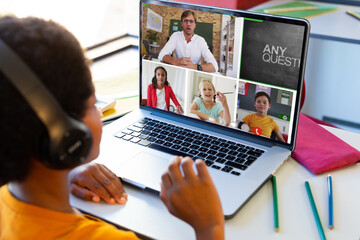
(196,48)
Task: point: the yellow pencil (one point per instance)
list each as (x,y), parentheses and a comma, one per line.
(292,9)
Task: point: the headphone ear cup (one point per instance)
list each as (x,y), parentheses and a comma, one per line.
(70,148)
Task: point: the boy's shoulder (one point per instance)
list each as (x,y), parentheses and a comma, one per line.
(269,118)
(251,115)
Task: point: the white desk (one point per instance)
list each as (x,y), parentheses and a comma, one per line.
(144,212)
(337,25)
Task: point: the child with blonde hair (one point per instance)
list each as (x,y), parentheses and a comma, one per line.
(205,106)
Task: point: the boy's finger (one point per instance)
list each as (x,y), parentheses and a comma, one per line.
(202,169)
(163,195)
(83,193)
(166,181)
(174,170)
(116,189)
(187,167)
(92,184)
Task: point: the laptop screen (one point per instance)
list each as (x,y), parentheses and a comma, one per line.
(236,69)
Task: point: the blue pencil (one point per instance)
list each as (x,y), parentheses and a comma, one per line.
(315,212)
(330,192)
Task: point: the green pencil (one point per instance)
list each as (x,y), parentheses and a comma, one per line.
(315,212)
(276,211)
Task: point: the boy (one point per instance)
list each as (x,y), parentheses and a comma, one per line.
(34,198)
(260,123)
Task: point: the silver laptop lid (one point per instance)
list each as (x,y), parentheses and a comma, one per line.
(236,72)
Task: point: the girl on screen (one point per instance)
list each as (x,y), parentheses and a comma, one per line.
(205,106)
(159,92)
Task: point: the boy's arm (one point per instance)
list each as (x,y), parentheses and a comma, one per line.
(193,197)
(246,119)
(279,136)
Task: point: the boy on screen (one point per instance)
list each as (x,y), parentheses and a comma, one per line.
(260,123)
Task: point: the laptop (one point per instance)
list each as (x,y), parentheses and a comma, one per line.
(254,52)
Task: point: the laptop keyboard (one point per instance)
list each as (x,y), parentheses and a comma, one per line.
(218,153)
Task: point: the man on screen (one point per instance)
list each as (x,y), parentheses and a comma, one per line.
(189,47)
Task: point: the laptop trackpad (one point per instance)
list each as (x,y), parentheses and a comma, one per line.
(145,169)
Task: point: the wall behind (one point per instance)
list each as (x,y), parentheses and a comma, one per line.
(226,4)
(237,4)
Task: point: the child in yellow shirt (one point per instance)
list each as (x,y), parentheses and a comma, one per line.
(34,192)
(260,123)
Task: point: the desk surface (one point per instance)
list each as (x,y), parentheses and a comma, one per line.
(144,212)
(120,83)
(336,25)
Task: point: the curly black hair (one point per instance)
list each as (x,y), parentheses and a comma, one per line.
(58,60)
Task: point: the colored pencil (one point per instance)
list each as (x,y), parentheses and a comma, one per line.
(330,192)
(290,9)
(315,212)
(276,210)
(354,14)
(294,9)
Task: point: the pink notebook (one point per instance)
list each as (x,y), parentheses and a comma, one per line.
(321,151)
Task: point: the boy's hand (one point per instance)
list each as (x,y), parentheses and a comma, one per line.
(193,198)
(94,181)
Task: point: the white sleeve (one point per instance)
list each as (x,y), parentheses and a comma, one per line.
(169,47)
(207,55)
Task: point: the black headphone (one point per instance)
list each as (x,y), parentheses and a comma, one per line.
(70,140)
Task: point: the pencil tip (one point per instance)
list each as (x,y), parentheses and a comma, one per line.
(331,227)
(276,230)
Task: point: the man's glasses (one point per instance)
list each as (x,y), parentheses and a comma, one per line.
(188,21)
